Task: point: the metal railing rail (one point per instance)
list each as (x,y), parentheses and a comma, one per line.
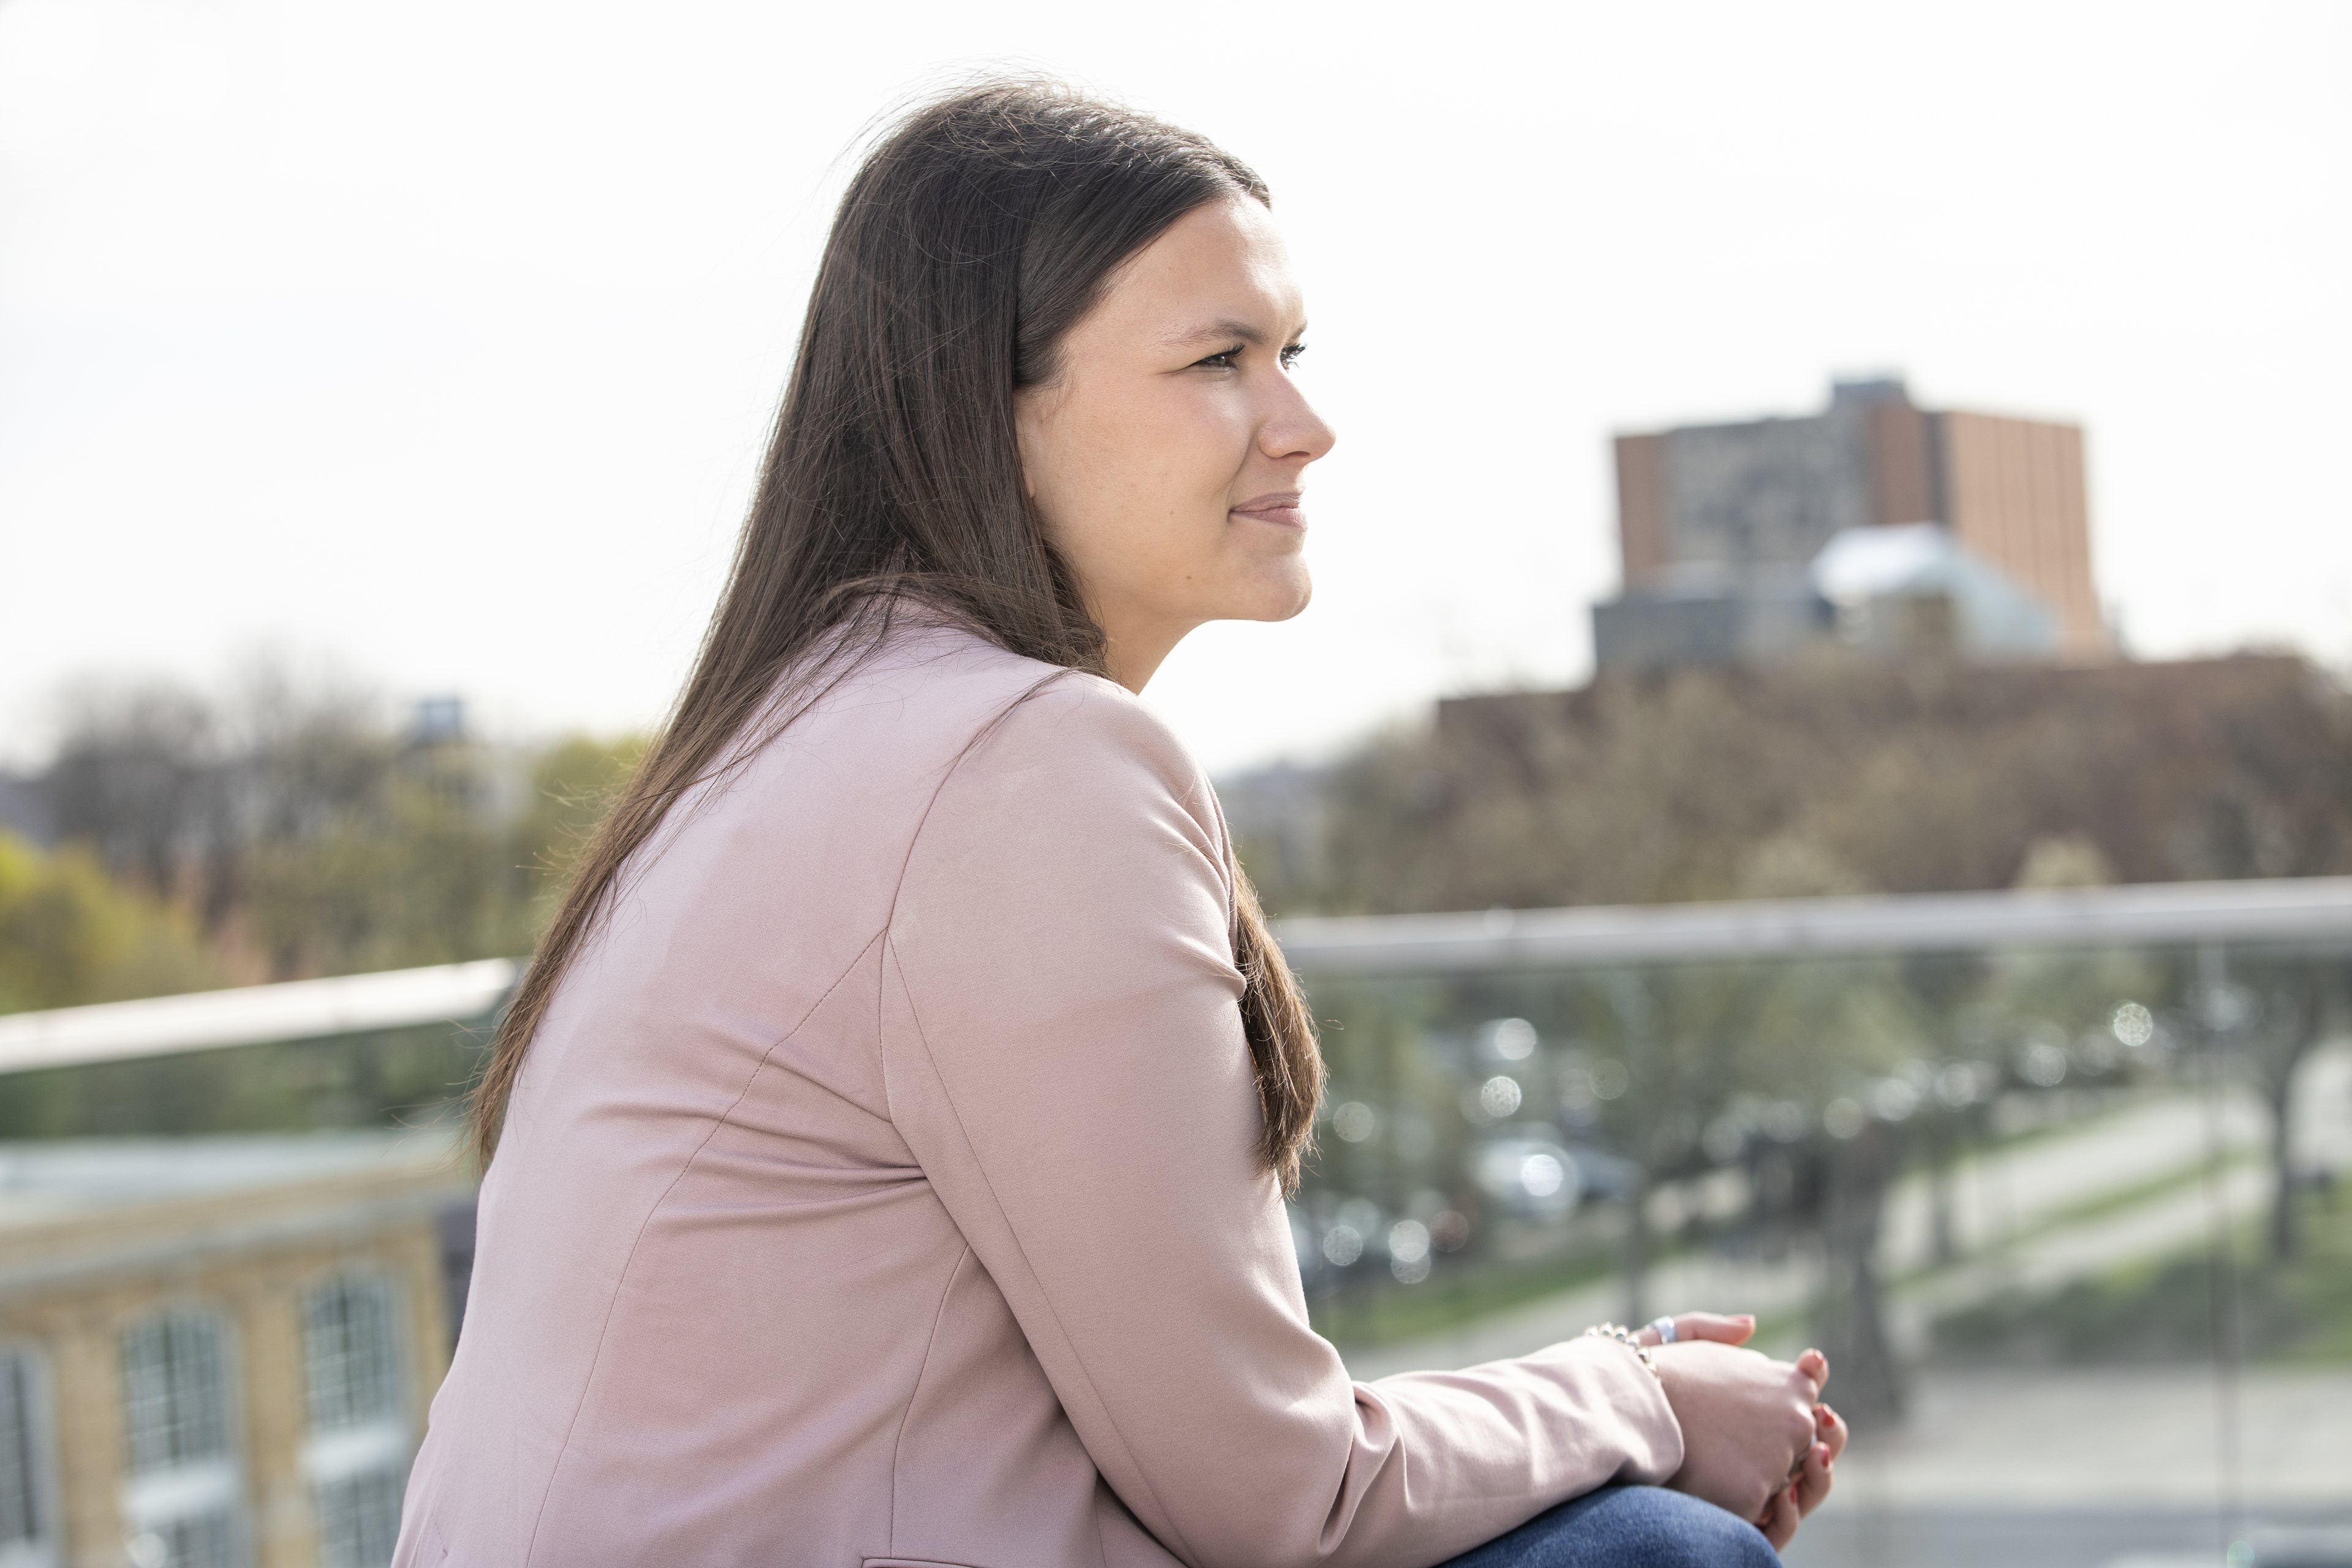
(2316,910)
(257,1014)
(2301,910)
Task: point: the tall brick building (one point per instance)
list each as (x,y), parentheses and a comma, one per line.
(1719,524)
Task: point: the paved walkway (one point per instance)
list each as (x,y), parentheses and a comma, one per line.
(2113,1437)
(2172,1222)
(1998,1194)
(2005,1209)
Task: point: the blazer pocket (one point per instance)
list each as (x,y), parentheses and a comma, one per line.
(910,1562)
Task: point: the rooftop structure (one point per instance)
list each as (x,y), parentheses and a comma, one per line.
(1721,527)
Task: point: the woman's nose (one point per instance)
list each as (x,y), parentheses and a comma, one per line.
(1296,431)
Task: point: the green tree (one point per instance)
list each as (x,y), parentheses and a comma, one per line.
(573,784)
(69,934)
(424,870)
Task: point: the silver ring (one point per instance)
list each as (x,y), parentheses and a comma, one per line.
(1666,1327)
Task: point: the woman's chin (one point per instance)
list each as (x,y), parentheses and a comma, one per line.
(1278,597)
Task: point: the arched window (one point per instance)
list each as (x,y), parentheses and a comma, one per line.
(28,1524)
(357,1451)
(184,1496)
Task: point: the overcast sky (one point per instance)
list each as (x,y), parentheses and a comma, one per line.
(438,339)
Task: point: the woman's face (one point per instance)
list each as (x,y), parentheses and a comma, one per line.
(1168,459)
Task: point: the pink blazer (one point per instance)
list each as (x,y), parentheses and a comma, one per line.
(880,1189)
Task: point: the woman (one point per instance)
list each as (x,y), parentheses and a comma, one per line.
(892,1133)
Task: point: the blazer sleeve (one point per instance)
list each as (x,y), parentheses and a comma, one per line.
(1064,1051)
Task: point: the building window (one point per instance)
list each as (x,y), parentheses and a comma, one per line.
(357,1453)
(359,1519)
(176,1391)
(183,1495)
(27,1528)
(351,1353)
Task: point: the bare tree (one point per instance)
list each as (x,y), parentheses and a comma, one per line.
(138,775)
(2268,1012)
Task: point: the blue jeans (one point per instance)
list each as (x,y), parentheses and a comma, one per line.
(1628,1527)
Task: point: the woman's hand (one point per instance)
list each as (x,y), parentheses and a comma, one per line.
(1749,1426)
(1801,1489)
(1804,1493)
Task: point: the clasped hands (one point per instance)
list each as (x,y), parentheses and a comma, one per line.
(1757,1438)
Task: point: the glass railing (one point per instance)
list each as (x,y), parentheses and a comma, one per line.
(2056,1180)
(2067,1212)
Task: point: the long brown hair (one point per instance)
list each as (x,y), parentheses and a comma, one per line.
(975,235)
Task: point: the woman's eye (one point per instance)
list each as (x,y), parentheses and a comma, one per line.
(1291,354)
(1219,361)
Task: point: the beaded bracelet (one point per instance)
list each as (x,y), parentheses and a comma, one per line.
(1623,1336)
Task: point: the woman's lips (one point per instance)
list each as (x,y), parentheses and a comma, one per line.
(1282,509)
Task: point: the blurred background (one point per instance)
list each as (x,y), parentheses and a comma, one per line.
(1818,780)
